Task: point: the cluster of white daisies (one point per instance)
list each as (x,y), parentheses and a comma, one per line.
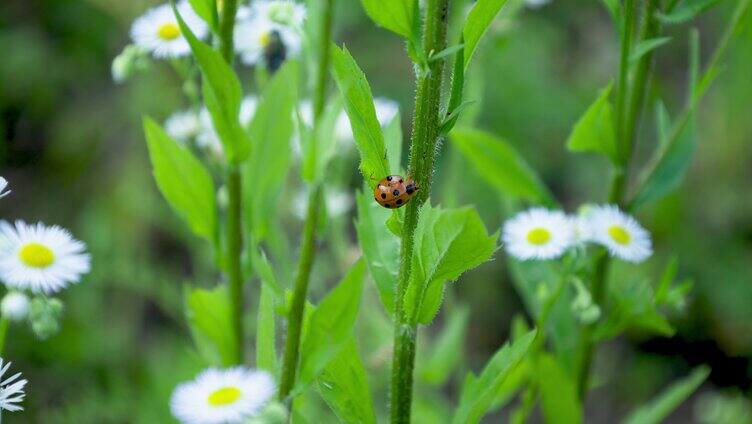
(267,29)
(41,261)
(541,234)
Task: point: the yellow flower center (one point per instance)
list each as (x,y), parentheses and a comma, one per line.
(619,234)
(224,396)
(539,236)
(265,39)
(169,31)
(36,255)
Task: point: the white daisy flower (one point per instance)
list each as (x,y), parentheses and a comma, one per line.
(183,126)
(538,233)
(14,306)
(386,110)
(208,138)
(280,12)
(255,37)
(621,234)
(11,390)
(3,186)
(220,396)
(158,31)
(40,259)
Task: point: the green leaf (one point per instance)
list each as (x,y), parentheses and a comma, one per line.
(331,325)
(380,247)
(446,353)
(447,243)
(646,46)
(663,124)
(183,181)
(559,400)
(222,95)
(478,393)
(632,304)
(478,21)
(446,52)
(271,130)
(208,316)
(687,11)
(266,353)
(670,167)
(354,87)
(397,16)
(661,407)
(344,387)
(207,11)
(319,144)
(499,164)
(594,131)
(393,141)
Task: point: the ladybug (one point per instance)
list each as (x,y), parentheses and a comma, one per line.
(394,191)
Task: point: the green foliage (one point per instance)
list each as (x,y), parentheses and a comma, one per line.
(330,326)
(686,11)
(271,130)
(398,16)
(446,353)
(343,384)
(183,181)
(208,315)
(354,87)
(478,21)
(319,144)
(447,243)
(499,164)
(266,353)
(393,141)
(646,46)
(658,409)
(478,393)
(559,400)
(380,247)
(594,131)
(222,95)
(207,11)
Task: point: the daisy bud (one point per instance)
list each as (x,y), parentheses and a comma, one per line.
(45,314)
(14,306)
(132,61)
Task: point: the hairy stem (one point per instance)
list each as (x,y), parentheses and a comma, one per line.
(308,248)
(425,136)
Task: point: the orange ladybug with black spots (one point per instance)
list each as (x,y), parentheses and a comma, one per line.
(393,191)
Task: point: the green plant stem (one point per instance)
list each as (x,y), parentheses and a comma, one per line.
(308,248)
(234,250)
(587,350)
(621,93)
(425,135)
(4,323)
(227,29)
(297,308)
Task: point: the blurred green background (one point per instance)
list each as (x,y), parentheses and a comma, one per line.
(72,148)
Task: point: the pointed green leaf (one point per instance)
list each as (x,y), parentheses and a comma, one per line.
(183,180)
(222,95)
(380,247)
(559,400)
(499,164)
(478,393)
(686,11)
(478,21)
(594,131)
(207,11)
(208,315)
(646,46)
(447,243)
(354,87)
(659,408)
(271,131)
(330,326)
(344,387)
(397,16)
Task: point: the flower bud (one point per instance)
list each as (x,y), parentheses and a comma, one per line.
(44,315)
(130,62)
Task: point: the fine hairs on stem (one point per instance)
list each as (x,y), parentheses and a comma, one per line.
(425,134)
(234,226)
(308,244)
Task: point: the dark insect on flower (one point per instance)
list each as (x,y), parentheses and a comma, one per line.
(275,51)
(394,191)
